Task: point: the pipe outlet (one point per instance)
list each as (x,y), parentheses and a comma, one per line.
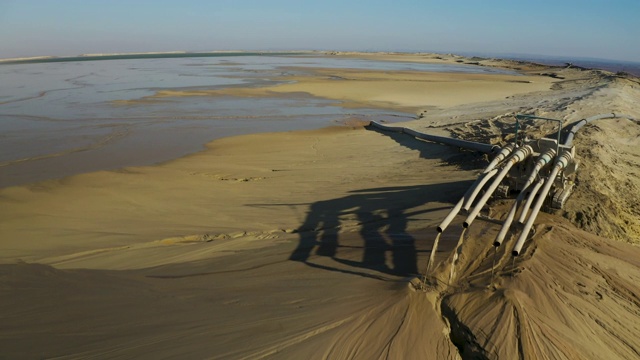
(501,156)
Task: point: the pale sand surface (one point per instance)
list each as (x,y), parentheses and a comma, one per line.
(227,253)
(406,90)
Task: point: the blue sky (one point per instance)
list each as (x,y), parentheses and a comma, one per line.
(608,29)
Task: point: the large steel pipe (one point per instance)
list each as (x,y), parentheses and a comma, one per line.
(468,196)
(575,128)
(561,163)
(473,193)
(507,222)
(471,145)
(542,161)
(501,156)
(480,181)
(487,173)
(525,209)
(473,190)
(534,191)
(518,156)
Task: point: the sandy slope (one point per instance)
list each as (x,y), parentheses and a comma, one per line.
(210,294)
(300,244)
(570,295)
(260,186)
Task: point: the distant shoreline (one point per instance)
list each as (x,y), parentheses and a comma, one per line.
(134,56)
(615,66)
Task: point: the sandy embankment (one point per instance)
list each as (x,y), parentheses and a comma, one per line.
(296,245)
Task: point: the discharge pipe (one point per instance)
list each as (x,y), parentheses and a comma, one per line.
(485,148)
(498,159)
(561,163)
(487,173)
(520,154)
(543,160)
(473,190)
(527,204)
(575,128)
(468,200)
(465,144)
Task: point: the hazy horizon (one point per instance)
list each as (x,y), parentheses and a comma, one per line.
(570,29)
(514,56)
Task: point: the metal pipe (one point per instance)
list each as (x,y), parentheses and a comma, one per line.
(529,201)
(577,126)
(543,160)
(489,171)
(527,205)
(473,190)
(465,144)
(470,194)
(561,163)
(507,222)
(521,154)
(501,156)
(447,220)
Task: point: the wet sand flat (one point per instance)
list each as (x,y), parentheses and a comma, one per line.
(405,90)
(69,117)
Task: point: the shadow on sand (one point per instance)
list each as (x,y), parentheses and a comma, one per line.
(382,216)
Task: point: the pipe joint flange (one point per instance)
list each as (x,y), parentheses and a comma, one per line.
(548,155)
(564,159)
(522,153)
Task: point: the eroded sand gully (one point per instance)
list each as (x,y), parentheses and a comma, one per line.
(301,244)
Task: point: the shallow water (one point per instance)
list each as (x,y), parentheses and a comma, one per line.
(59,118)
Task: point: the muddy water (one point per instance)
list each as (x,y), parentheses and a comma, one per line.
(62,118)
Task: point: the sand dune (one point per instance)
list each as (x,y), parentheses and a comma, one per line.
(302,244)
